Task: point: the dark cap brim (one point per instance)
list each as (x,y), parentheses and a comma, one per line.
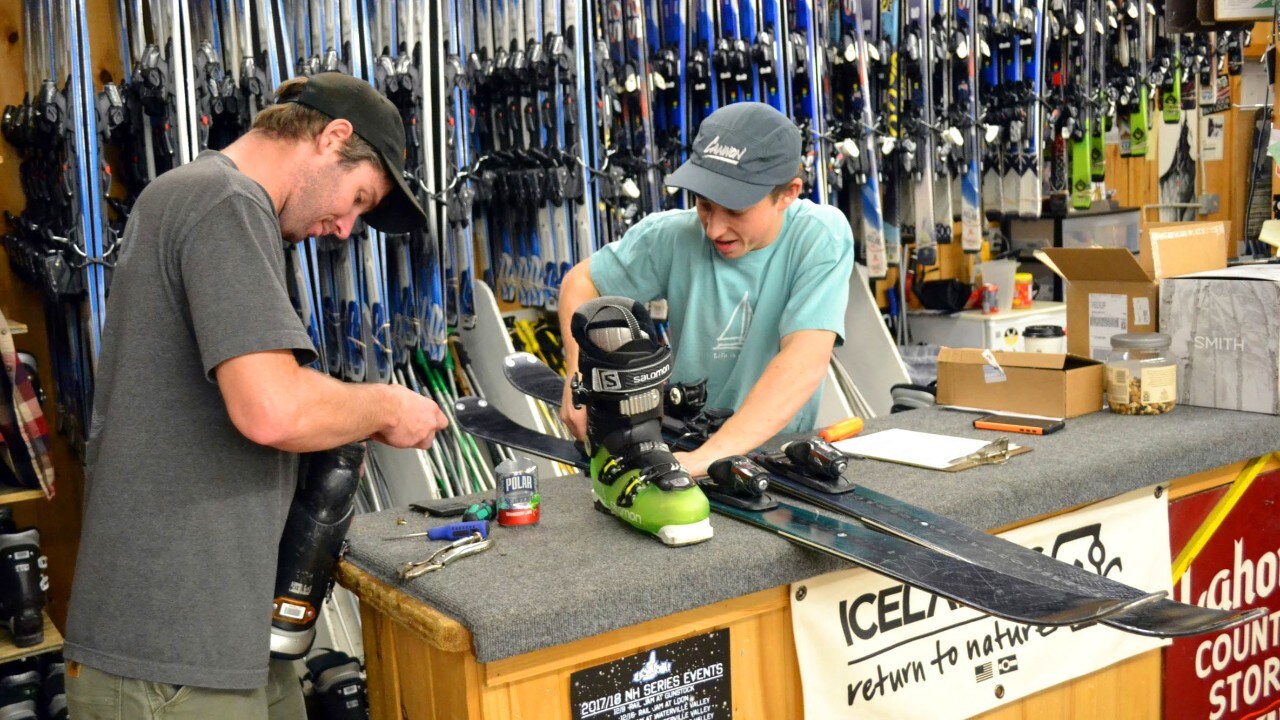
(399,212)
(724,191)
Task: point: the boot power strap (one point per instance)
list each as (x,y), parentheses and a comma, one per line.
(628,380)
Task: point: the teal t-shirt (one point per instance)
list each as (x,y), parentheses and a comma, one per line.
(728,317)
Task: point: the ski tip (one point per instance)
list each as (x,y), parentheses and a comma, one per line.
(467,402)
(520,358)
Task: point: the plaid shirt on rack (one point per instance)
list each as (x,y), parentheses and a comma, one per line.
(22,423)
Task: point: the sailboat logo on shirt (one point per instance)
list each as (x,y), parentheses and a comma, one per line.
(734,335)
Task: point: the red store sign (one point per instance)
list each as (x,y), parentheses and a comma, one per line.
(1235,674)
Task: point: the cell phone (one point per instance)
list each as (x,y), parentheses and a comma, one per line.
(1015,423)
(446,507)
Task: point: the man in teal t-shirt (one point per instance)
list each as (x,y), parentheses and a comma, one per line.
(756,280)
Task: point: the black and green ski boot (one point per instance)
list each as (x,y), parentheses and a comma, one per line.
(622,369)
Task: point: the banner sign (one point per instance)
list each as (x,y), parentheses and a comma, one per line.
(870,647)
(1236,673)
(685,680)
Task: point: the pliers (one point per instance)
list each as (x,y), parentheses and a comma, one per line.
(460,548)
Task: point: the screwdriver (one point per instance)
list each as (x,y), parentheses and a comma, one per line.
(842,430)
(452,531)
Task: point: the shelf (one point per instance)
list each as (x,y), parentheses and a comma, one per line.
(9,495)
(52,641)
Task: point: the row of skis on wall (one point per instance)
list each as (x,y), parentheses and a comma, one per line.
(540,130)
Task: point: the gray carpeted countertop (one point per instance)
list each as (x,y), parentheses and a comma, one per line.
(580,573)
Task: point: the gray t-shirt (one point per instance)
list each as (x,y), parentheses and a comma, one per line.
(183,515)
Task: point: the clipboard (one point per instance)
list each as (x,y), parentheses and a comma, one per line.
(931,451)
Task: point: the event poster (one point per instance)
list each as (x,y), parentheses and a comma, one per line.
(685,680)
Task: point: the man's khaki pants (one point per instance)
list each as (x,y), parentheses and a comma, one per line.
(96,695)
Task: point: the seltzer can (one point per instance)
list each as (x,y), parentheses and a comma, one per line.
(517,493)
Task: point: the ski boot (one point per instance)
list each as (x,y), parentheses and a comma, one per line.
(22,586)
(20,684)
(322,508)
(634,476)
(337,686)
(53,693)
(18,710)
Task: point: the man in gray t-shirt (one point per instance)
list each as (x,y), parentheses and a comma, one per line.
(202,404)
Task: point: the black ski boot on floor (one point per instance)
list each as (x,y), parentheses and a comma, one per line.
(634,475)
(20,683)
(53,693)
(338,686)
(322,508)
(22,586)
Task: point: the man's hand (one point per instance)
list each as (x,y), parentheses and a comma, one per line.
(794,374)
(694,462)
(274,402)
(418,419)
(575,418)
(576,288)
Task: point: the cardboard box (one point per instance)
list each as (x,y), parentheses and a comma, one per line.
(1052,385)
(1226,337)
(1172,249)
(1109,291)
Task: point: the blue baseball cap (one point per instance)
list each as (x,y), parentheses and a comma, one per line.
(741,153)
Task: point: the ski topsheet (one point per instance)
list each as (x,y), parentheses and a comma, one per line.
(1153,616)
(978,587)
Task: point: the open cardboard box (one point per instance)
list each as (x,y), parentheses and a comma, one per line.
(1047,384)
(1109,291)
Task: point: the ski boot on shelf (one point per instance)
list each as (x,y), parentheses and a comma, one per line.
(634,476)
(22,586)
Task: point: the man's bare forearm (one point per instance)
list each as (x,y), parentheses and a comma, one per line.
(274,402)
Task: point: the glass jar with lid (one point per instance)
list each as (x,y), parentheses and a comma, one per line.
(1141,378)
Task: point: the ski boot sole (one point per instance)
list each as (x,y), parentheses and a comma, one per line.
(669,535)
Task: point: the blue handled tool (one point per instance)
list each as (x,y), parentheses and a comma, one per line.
(452,531)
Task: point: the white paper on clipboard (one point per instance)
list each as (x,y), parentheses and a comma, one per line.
(910,447)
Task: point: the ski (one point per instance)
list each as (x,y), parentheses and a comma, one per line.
(966,99)
(861,123)
(918,158)
(1152,614)
(1030,166)
(890,80)
(1081,95)
(822,483)
(938,573)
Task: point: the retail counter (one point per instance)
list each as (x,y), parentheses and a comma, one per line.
(498,634)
